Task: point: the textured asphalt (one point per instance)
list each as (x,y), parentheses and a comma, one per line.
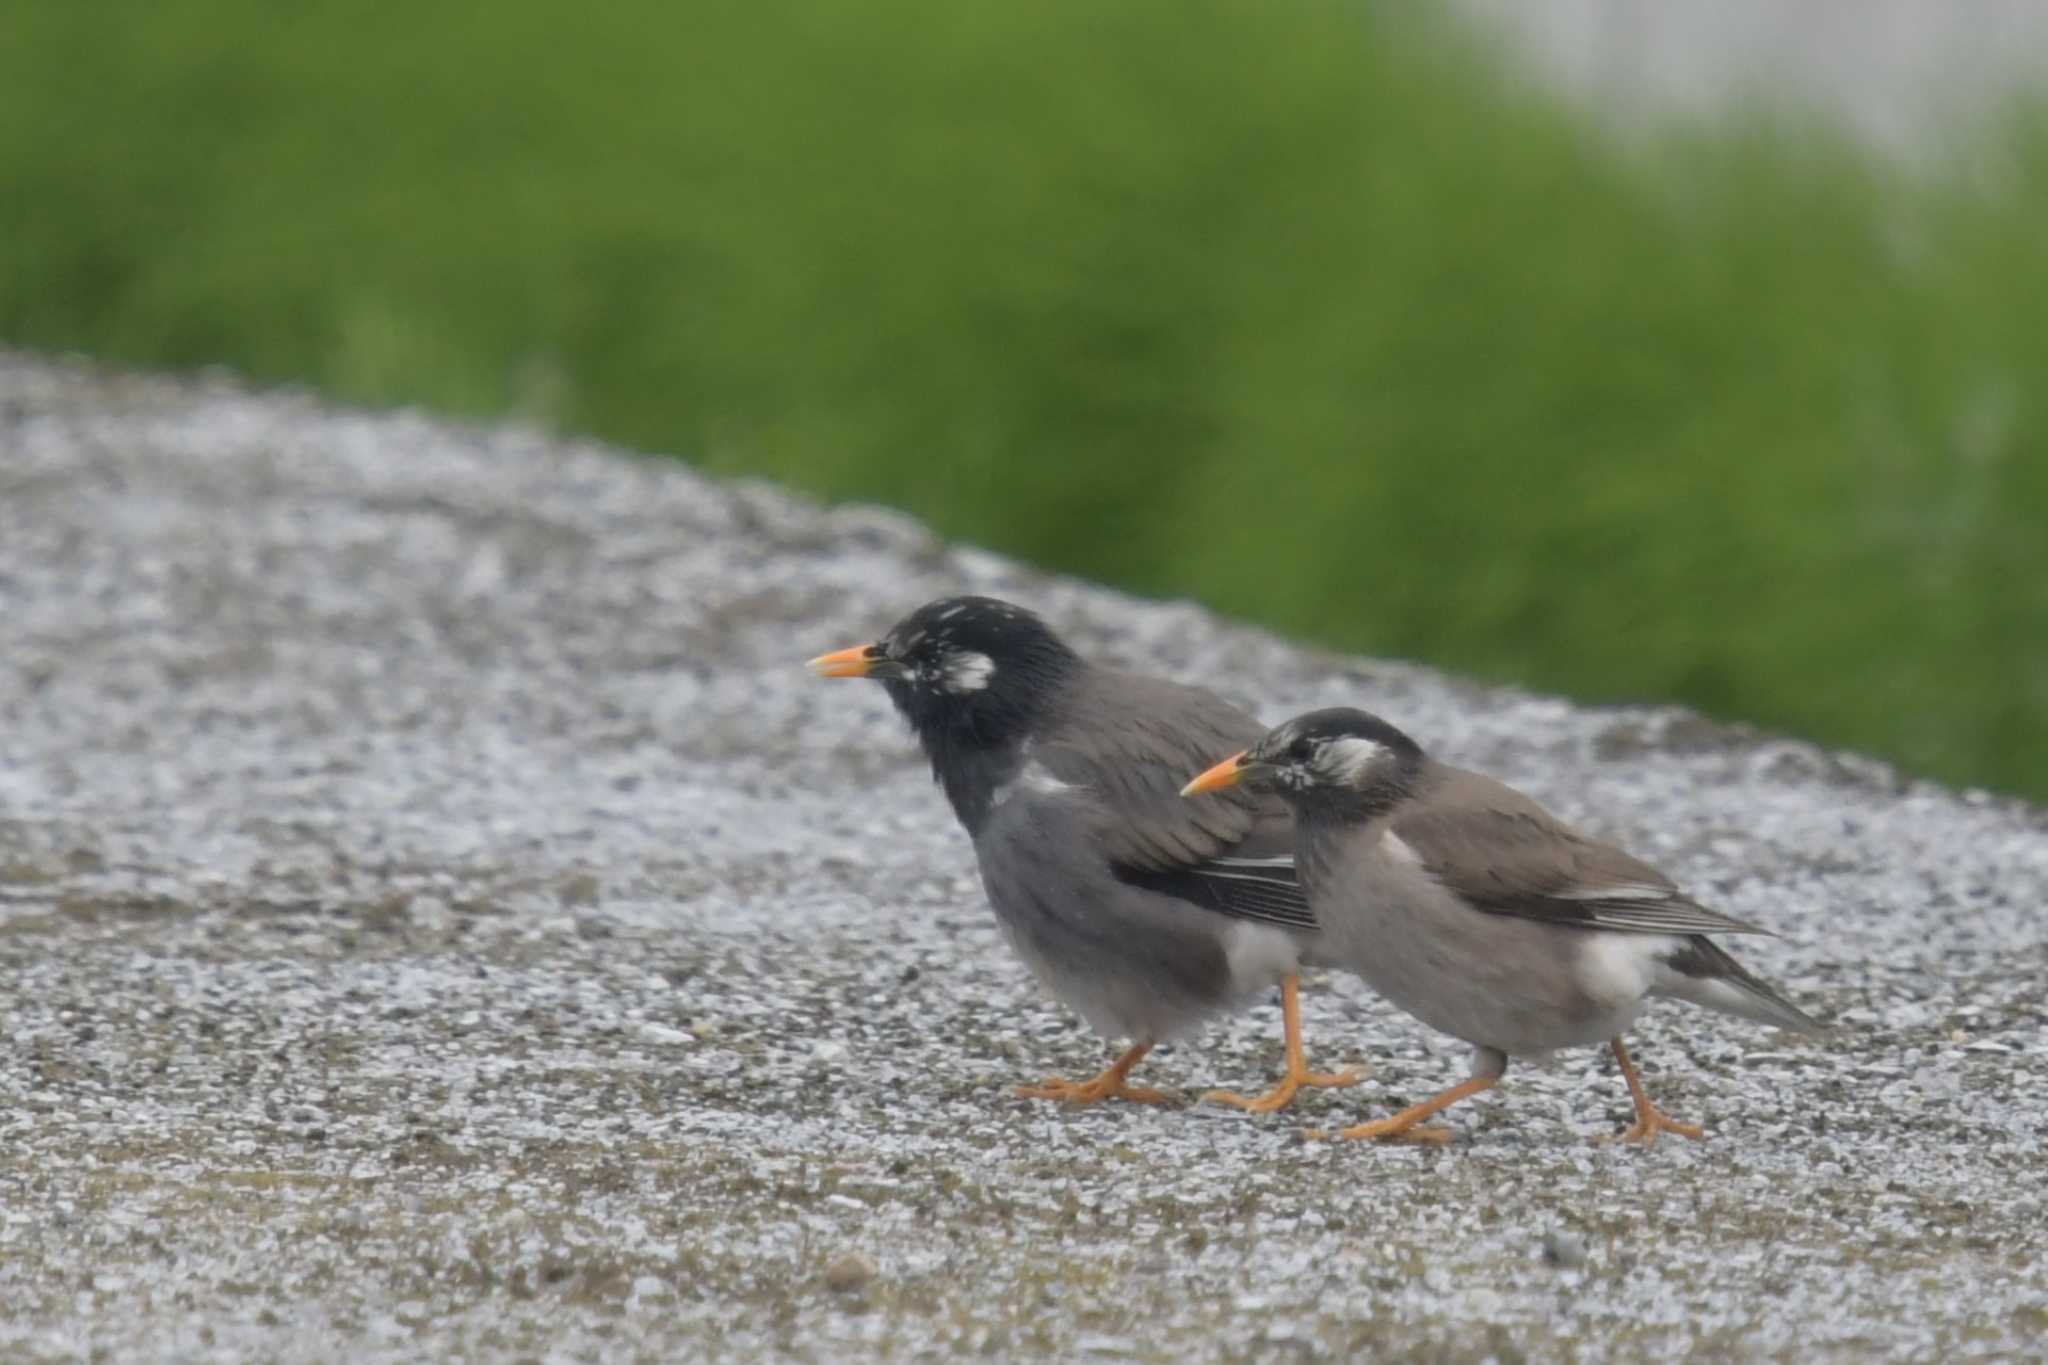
(441,919)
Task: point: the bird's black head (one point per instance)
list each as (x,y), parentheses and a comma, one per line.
(974,676)
(974,665)
(1336,760)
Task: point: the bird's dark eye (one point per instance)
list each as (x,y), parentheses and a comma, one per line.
(1300,750)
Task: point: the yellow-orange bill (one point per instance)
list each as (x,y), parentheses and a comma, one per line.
(1225,774)
(844,663)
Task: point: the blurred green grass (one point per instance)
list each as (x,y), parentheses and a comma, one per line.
(1307,308)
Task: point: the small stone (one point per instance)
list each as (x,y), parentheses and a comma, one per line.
(578,889)
(1563,1250)
(848,1271)
(20,872)
(386,914)
(661,1035)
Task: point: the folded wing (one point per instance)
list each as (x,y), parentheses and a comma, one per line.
(1506,855)
(1141,740)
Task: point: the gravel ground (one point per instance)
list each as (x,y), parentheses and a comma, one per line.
(442,919)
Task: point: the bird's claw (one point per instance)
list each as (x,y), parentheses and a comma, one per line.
(1282,1095)
(1107,1086)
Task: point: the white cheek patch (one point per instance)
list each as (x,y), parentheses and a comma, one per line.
(1347,761)
(968,672)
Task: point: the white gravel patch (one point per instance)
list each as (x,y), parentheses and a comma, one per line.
(442,919)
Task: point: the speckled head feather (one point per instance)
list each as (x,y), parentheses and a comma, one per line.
(1340,760)
(975,666)
(974,676)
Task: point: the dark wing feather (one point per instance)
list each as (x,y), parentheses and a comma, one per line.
(1243,891)
(1506,855)
(1134,742)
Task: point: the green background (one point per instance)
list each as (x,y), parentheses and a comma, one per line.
(1316,311)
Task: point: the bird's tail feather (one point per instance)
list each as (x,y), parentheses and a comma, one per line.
(1704,974)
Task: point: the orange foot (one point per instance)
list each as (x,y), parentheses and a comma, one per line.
(1110,1085)
(1407,1126)
(1650,1120)
(1647,1126)
(1107,1086)
(1282,1095)
(1298,1074)
(1385,1130)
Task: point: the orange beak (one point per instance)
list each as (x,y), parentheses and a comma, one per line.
(856,662)
(1228,773)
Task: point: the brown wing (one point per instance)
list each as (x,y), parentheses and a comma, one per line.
(1507,855)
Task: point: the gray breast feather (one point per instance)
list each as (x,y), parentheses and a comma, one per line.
(1130,963)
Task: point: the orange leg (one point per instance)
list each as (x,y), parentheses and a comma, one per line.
(1650,1120)
(1109,1085)
(1298,1074)
(1402,1126)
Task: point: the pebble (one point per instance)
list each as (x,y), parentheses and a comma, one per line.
(1563,1250)
(849,1271)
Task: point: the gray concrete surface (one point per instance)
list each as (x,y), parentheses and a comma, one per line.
(442,920)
